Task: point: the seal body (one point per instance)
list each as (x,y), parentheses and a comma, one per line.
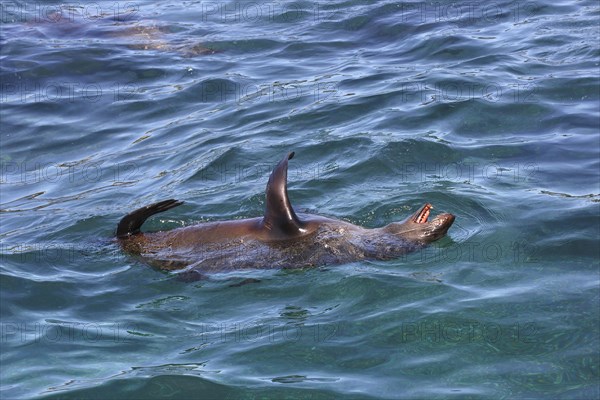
(279,239)
(117,29)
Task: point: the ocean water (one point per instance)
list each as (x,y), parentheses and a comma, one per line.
(487,110)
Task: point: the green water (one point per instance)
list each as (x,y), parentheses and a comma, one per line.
(487,111)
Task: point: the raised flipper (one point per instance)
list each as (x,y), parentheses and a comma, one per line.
(280,218)
(132,222)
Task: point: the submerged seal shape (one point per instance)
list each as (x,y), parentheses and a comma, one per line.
(279,239)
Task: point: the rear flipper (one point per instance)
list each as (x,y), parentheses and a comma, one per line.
(132,222)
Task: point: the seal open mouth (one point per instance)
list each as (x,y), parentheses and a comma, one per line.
(421,216)
(420,228)
(425,229)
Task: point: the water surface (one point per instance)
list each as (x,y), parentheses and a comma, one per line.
(487,110)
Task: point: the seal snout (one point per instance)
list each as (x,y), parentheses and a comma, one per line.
(428,229)
(443,222)
(422,217)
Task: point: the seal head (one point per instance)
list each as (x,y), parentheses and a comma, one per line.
(418,228)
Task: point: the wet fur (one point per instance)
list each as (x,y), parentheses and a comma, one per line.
(279,239)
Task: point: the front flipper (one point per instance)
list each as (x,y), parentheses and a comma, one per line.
(190,276)
(245,282)
(280,219)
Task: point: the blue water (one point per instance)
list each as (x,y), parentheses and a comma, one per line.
(489,111)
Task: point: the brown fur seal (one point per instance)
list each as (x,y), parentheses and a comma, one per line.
(121,29)
(279,239)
